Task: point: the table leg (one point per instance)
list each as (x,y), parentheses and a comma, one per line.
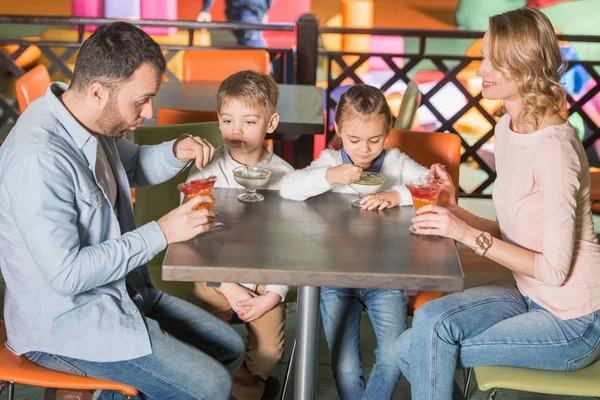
(307,352)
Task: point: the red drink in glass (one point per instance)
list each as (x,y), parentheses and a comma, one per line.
(424,191)
(199,187)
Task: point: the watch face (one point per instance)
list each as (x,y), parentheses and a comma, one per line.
(484,240)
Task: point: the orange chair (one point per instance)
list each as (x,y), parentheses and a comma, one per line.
(595,189)
(177,116)
(18,369)
(215,65)
(31,85)
(428,148)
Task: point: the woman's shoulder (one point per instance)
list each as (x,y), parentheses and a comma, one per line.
(503,125)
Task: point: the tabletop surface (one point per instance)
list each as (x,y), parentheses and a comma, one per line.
(300,107)
(320,242)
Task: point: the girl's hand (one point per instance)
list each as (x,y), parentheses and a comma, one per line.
(447,197)
(343,174)
(380,201)
(436,220)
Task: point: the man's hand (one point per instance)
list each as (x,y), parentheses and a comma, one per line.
(257,306)
(235,294)
(184,223)
(194,147)
(343,174)
(380,201)
(204,16)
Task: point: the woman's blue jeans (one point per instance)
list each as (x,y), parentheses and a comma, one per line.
(340,310)
(490,326)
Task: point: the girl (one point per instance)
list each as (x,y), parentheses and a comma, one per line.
(362,122)
(544,233)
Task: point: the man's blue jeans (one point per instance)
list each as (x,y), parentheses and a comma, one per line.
(193,356)
(340,310)
(490,326)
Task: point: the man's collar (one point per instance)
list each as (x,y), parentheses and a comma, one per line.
(52,97)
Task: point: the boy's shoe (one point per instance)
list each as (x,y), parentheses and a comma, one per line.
(68,394)
(271,388)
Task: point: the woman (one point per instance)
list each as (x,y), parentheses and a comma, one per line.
(544,233)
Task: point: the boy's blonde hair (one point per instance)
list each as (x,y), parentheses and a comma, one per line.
(250,87)
(523,46)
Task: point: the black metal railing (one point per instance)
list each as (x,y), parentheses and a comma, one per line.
(348,71)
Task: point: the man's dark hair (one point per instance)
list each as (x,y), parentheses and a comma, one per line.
(113,53)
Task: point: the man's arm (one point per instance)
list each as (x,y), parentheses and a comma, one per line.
(47,209)
(148,165)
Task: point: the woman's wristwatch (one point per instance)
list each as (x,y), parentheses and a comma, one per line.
(483,243)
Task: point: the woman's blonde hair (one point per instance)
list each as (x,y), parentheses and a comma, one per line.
(523,46)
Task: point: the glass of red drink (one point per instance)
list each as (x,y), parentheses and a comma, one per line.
(425,190)
(199,187)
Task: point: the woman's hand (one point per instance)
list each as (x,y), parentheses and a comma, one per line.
(436,220)
(447,197)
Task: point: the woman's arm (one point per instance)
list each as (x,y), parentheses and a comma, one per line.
(477,222)
(557,173)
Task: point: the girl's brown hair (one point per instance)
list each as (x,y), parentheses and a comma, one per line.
(523,46)
(360,102)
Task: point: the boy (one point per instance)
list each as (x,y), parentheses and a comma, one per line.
(246,105)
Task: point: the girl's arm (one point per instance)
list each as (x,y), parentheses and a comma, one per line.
(310,181)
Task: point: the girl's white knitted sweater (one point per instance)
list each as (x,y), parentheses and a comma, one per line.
(397,168)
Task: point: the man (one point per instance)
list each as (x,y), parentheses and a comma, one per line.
(78,295)
(248,11)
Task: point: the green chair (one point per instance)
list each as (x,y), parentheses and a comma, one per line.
(584,382)
(154,202)
(408,108)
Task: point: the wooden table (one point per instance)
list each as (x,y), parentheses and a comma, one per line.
(300,107)
(320,242)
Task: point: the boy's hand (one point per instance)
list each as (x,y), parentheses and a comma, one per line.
(380,201)
(258,306)
(343,174)
(235,294)
(188,147)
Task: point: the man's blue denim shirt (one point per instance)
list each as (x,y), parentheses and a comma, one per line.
(68,258)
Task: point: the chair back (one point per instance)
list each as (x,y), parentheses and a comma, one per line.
(31,85)
(408,107)
(215,65)
(154,202)
(595,184)
(428,148)
(177,116)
